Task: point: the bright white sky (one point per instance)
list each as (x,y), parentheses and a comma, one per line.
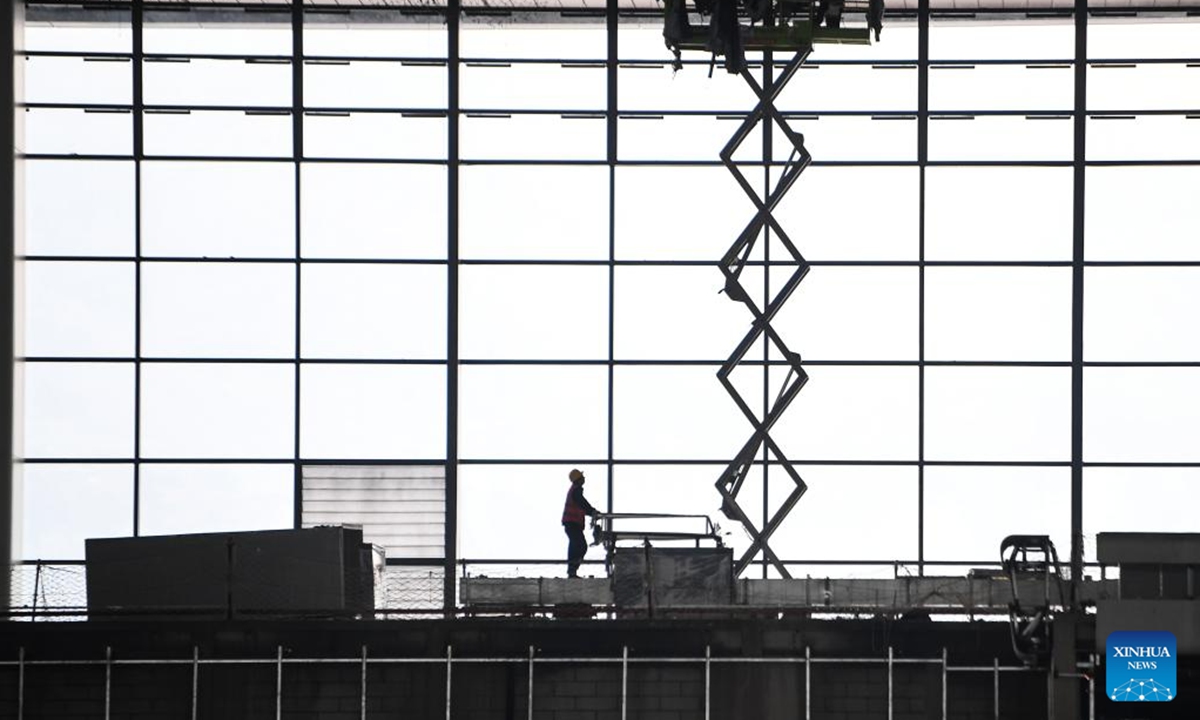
(518,312)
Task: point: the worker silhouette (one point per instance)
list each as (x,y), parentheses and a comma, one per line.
(574,511)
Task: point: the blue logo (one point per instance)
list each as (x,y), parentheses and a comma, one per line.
(1140,667)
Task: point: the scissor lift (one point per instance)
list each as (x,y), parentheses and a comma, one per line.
(789,27)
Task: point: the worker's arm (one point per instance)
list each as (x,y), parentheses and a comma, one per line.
(581,501)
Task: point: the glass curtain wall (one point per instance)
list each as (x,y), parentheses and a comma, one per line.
(261,239)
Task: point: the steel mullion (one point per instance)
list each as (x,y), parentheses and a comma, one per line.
(139,150)
(297,24)
(923,65)
(1079,218)
(612,77)
(453,25)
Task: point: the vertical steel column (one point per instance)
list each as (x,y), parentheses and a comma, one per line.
(624,681)
(891,701)
(449,667)
(137,21)
(297,160)
(10,25)
(707,681)
(612,74)
(922,162)
(1077,277)
(363,690)
(945,681)
(21,683)
(807,683)
(108,683)
(767,156)
(529,690)
(278,682)
(996,689)
(450,542)
(195,679)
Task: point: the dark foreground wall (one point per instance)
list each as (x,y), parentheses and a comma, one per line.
(568,684)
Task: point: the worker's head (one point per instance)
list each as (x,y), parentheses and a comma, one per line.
(576,476)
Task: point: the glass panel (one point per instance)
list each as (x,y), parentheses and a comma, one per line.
(217,410)
(819,87)
(63,505)
(1000,138)
(218,82)
(834,137)
(377,32)
(658,87)
(667,413)
(489,492)
(1024,500)
(1142,213)
(373,211)
(534,212)
(97,30)
(218,209)
(1137,500)
(840,313)
(178,499)
(1124,39)
(993,314)
(78,410)
(970,40)
(852,213)
(1002,87)
(373,311)
(533,137)
(373,412)
(1141,414)
(199,30)
(77,207)
(512,312)
(850,413)
(1141,314)
(375,135)
(849,513)
(675,313)
(78,80)
(482,37)
(1158,86)
(559,87)
(79,309)
(219,133)
(998,414)
(374,84)
(77,132)
(533,412)
(1146,137)
(218,310)
(998,213)
(658,214)
(687,137)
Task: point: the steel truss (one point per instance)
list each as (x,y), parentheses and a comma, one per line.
(736,258)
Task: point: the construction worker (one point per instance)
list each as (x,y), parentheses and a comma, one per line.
(576,508)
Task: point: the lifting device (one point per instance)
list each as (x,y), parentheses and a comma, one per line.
(791,26)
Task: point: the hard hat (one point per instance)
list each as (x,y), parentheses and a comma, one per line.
(576,475)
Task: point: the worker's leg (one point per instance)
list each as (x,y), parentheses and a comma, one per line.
(576,548)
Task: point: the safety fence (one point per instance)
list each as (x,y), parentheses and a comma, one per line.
(562,688)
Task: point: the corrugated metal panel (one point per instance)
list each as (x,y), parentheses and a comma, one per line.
(399,507)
